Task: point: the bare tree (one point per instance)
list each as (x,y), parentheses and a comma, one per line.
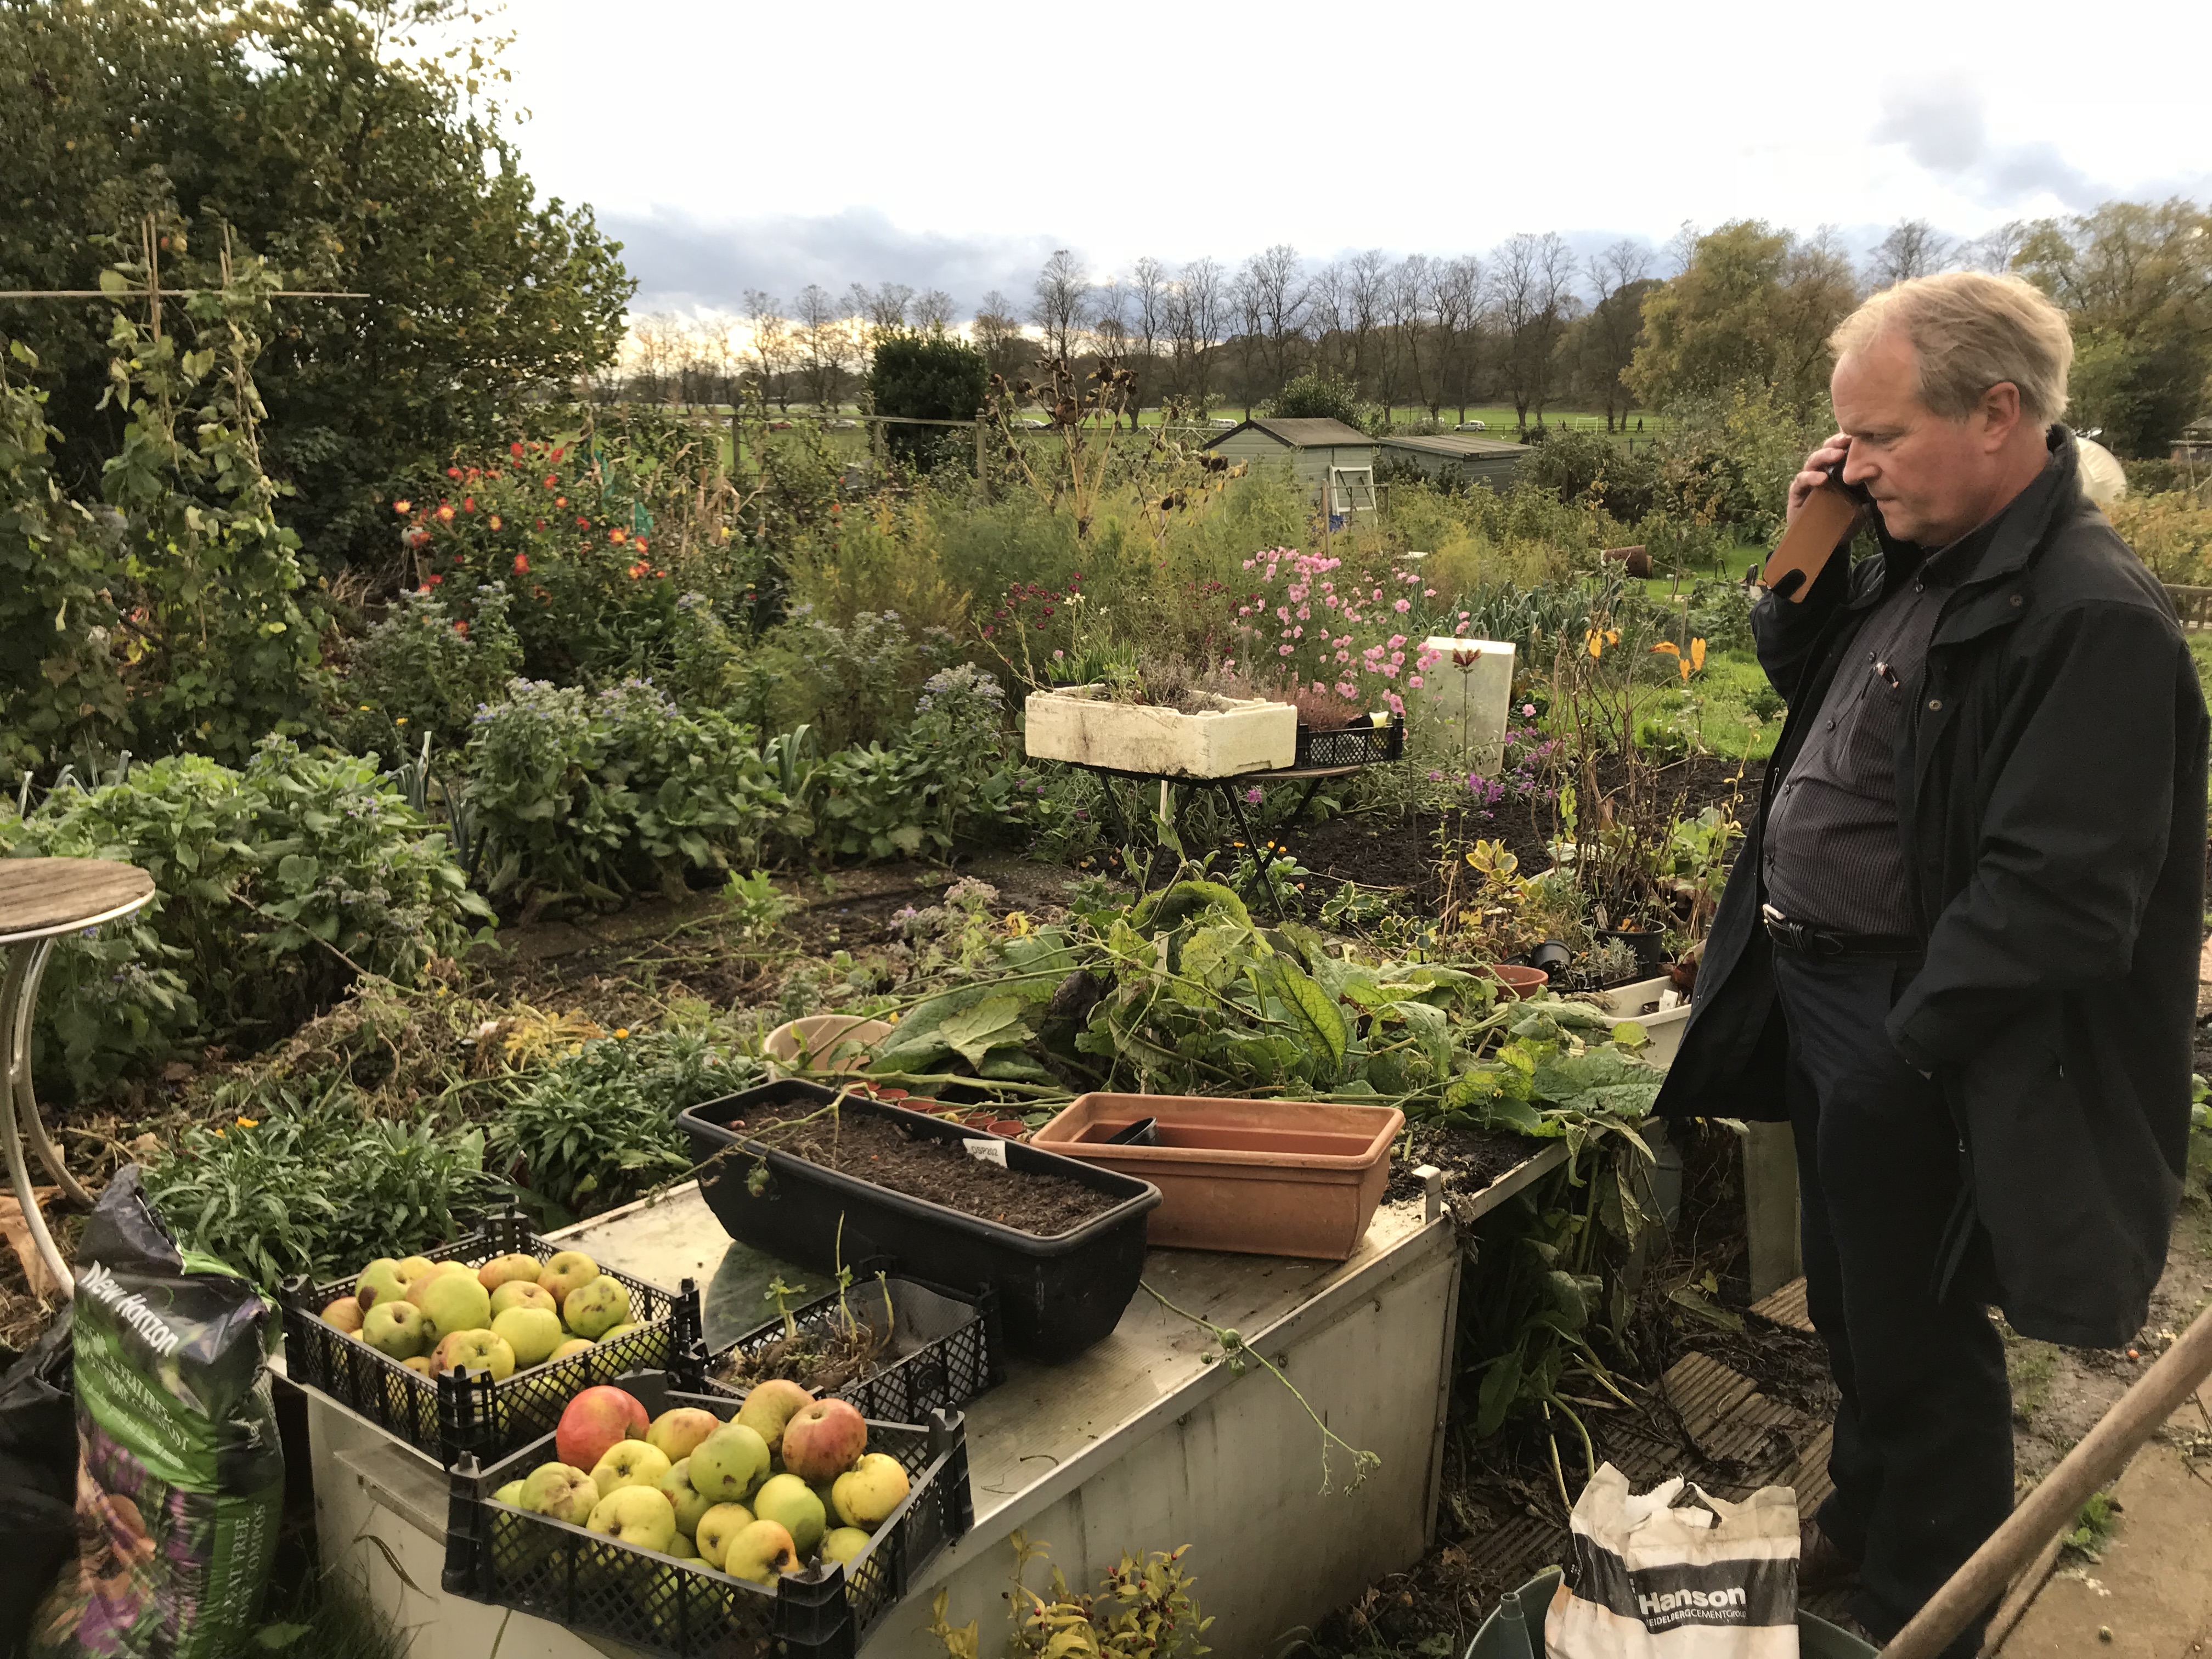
(1531,297)
(1995,250)
(1061,304)
(656,349)
(769,333)
(1198,307)
(1618,278)
(1408,361)
(1149,301)
(1367,281)
(999,337)
(1329,312)
(1682,247)
(1456,301)
(825,344)
(1274,300)
(1913,248)
(883,307)
(933,310)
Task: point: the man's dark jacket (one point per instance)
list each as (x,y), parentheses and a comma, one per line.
(2051,791)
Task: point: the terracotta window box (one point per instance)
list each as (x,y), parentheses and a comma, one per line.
(1264,1177)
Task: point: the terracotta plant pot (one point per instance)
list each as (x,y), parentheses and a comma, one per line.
(1519,982)
(824,1042)
(1266,1177)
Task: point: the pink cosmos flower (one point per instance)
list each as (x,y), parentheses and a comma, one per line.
(1402,607)
(1413,680)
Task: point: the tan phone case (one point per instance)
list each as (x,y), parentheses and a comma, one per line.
(1821,526)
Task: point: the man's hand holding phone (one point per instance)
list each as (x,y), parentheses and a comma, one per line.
(1832,452)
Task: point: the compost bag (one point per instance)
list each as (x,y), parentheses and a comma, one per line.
(1652,1580)
(38,1479)
(179,1475)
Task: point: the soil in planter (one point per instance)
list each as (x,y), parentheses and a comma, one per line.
(821,1361)
(876,1150)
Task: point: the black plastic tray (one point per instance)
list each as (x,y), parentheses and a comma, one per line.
(1352,745)
(443,1417)
(1056,1296)
(588,1581)
(942,1349)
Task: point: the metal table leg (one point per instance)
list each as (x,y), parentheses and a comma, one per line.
(26,1103)
(27,964)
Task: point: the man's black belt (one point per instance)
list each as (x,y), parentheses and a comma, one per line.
(1811,941)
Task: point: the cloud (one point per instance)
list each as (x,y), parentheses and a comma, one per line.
(1943,127)
(682,261)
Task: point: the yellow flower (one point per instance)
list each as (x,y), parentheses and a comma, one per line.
(365,708)
(622,1031)
(249,1123)
(400,721)
(1669,646)
(1697,653)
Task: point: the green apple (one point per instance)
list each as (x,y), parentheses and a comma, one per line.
(729,1463)
(682,1548)
(786,1500)
(629,1463)
(843,1543)
(532,1333)
(419,1362)
(867,1493)
(575,1345)
(564,1271)
(679,1432)
(412,1268)
(690,1503)
(396,1328)
(475,1351)
(561,1490)
(515,1268)
(379,1281)
(509,1494)
(636,1515)
(454,1302)
(761,1552)
(770,1405)
(620,1331)
(716,1528)
(422,1281)
(523,1293)
(596,1307)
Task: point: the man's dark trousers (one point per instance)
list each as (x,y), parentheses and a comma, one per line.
(1922,1456)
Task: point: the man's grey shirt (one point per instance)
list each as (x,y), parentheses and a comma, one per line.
(1834,856)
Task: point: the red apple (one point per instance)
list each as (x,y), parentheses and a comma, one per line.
(824,1439)
(596,1420)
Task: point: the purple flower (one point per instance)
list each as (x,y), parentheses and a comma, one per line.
(1252,796)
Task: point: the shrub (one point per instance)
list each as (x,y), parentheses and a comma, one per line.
(1318,395)
(319,1186)
(422,671)
(576,795)
(930,377)
(598,1128)
(1582,466)
(2171,532)
(271,886)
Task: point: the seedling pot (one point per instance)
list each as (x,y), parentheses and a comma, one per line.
(1649,943)
(1264,1177)
(1519,981)
(1056,1295)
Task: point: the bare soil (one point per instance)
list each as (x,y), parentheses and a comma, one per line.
(877,1150)
(821,1361)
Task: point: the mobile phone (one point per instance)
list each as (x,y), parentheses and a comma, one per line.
(1824,523)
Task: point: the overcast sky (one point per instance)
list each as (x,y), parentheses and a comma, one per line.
(954,146)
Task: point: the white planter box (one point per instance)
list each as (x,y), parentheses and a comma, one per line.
(1463,708)
(1234,736)
(1662,1025)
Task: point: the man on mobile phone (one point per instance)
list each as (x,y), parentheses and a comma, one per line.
(1958,953)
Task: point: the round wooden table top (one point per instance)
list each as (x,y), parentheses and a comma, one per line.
(40,897)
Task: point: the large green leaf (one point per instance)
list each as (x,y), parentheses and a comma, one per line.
(994,1023)
(1317,1018)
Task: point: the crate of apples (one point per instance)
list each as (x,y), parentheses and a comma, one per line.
(781,1491)
(521,1325)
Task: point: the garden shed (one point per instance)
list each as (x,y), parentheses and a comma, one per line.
(1458,455)
(1320,450)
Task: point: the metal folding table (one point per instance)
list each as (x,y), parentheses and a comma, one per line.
(40,901)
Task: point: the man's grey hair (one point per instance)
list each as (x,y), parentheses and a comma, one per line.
(1971,331)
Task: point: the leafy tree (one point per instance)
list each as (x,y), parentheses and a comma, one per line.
(318,136)
(1752,310)
(2136,281)
(926,377)
(1318,395)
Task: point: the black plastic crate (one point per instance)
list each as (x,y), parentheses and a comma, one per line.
(1352,745)
(589,1583)
(1056,1296)
(442,1417)
(943,1348)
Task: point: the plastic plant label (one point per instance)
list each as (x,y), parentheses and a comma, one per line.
(989,1150)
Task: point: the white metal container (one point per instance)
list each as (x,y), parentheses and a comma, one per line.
(1234,735)
(1463,701)
(1659,1008)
